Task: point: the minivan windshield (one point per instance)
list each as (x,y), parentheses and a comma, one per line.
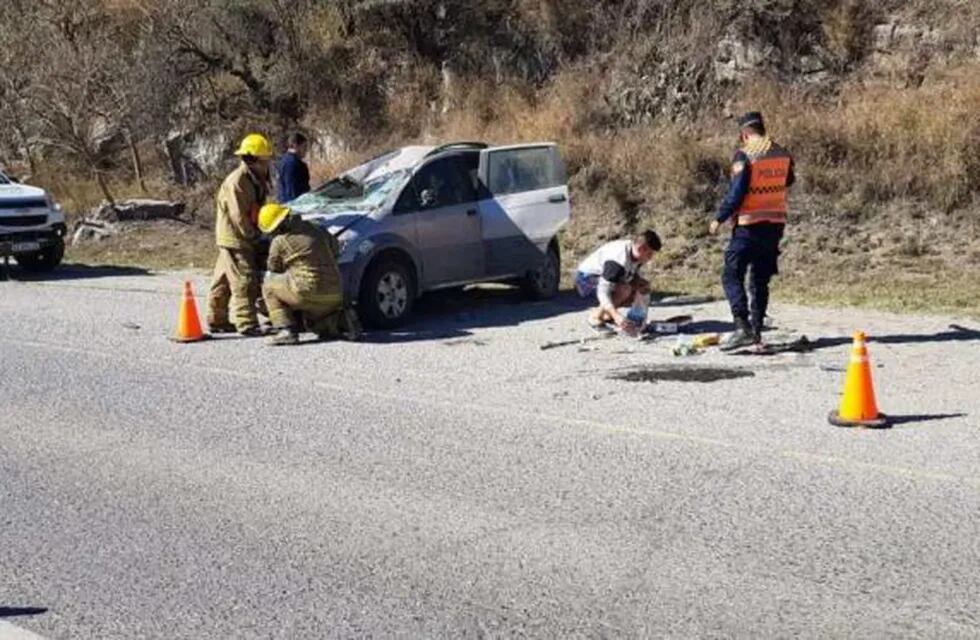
(369,197)
(4,179)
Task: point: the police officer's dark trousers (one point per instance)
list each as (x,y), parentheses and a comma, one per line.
(753,249)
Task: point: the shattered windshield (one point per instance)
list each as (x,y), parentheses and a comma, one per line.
(366,199)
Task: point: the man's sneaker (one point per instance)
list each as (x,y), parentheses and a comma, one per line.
(252,332)
(222,327)
(285,337)
(743,336)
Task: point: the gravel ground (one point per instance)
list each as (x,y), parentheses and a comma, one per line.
(453,479)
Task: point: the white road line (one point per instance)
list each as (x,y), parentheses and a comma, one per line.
(10,631)
(440,403)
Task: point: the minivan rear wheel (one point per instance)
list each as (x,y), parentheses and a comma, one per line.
(387,294)
(542,282)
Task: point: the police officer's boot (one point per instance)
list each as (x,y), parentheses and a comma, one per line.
(743,336)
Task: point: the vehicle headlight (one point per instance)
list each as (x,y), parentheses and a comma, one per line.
(52,205)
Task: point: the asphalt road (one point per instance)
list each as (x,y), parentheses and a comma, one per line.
(454,480)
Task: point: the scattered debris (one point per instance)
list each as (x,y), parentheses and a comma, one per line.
(579,341)
(673,324)
(463,341)
(681,374)
(801,344)
(706,340)
(685,347)
(131,325)
(680,301)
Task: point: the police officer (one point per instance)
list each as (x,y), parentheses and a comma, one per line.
(304,279)
(235,282)
(762,171)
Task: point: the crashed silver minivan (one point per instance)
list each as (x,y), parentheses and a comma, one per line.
(423,218)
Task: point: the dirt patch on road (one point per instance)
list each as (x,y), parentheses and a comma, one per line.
(681,374)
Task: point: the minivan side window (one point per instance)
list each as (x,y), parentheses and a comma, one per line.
(449,181)
(520,170)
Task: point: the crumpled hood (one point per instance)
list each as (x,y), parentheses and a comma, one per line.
(335,223)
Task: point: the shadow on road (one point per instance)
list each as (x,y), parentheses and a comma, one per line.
(10,612)
(926,417)
(68,272)
(956,333)
(445,315)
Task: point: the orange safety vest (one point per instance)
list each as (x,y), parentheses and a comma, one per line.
(765,200)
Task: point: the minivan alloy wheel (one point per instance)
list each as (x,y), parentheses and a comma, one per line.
(392,294)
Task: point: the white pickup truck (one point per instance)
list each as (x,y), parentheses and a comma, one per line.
(32,226)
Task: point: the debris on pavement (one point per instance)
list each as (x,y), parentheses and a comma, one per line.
(800,344)
(685,347)
(578,341)
(683,300)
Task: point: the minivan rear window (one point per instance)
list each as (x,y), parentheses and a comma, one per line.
(520,170)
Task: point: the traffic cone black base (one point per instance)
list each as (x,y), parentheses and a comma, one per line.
(881,422)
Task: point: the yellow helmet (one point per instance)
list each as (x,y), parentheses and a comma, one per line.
(255,144)
(271,216)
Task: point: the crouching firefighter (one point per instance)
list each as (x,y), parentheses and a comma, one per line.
(762,171)
(303,289)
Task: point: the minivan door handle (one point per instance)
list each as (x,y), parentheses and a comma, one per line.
(471,212)
(558,197)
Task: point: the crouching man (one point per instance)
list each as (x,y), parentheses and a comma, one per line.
(612,273)
(303,287)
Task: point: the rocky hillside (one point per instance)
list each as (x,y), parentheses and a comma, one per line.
(879,100)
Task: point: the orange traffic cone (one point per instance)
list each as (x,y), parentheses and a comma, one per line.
(858,407)
(188,324)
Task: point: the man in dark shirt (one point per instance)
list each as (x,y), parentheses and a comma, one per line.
(294,175)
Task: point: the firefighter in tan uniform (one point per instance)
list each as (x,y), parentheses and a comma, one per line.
(235,283)
(303,280)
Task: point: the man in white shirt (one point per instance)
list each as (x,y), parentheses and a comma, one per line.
(612,273)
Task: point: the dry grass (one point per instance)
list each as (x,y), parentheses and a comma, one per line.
(883,142)
(159,245)
(885,212)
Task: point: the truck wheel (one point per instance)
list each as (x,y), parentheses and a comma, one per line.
(44,260)
(542,283)
(387,293)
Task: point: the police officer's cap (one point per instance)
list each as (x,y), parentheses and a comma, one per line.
(752,118)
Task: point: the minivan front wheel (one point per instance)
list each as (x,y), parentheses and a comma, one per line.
(542,282)
(387,294)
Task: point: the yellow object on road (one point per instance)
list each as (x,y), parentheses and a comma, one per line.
(706,340)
